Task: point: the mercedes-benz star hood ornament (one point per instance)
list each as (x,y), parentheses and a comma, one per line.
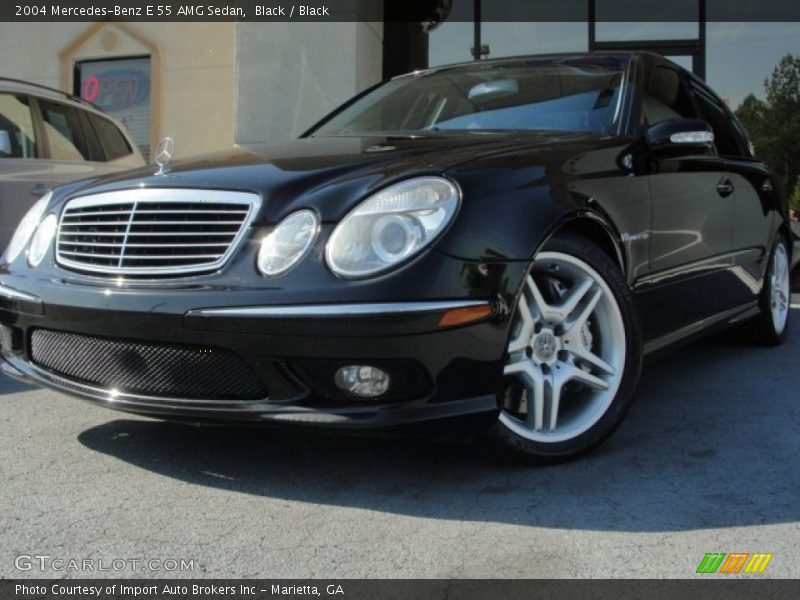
(164,153)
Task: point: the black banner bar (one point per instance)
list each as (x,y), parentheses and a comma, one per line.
(430,11)
(734,588)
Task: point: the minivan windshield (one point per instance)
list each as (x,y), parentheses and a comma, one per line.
(578,94)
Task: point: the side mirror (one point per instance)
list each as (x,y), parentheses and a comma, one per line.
(677,134)
(5,144)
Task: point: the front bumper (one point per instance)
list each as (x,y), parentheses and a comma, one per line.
(293,349)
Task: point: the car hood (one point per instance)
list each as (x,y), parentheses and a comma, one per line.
(329,174)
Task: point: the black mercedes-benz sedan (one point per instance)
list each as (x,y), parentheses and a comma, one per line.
(492,246)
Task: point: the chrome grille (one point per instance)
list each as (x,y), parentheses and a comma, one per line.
(156,232)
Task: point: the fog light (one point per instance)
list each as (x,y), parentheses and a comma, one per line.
(362,380)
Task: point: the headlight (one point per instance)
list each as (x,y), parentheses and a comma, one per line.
(26,228)
(287,243)
(40,242)
(391,226)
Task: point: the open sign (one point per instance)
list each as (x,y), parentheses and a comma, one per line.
(116,89)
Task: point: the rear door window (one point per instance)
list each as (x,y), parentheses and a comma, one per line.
(64,130)
(93,145)
(729,141)
(17,136)
(111,138)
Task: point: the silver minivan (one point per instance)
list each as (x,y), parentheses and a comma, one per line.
(48,138)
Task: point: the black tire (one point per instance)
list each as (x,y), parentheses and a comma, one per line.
(763,330)
(502,442)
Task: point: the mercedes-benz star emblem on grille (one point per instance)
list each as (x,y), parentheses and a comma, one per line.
(164,153)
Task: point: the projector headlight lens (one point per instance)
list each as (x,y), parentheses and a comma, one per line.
(391,226)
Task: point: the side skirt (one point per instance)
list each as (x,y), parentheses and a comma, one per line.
(703,327)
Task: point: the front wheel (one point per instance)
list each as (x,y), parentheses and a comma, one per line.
(573,357)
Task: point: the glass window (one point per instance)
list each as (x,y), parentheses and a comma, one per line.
(121,87)
(682,61)
(451,42)
(93,146)
(516,39)
(629,20)
(509,28)
(114,144)
(64,131)
(743,138)
(17,138)
(666,97)
(713,111)
(580,94)
(634,31)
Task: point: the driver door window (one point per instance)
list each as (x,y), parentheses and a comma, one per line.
(666,97)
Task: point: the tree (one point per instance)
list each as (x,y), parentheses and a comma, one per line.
(774,123)
(794,199)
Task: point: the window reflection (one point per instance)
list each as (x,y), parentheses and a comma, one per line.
(515,39)
(452,41)
(754,48)
(613,31)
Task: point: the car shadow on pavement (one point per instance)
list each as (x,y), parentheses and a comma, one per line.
(11,386)
(711,441)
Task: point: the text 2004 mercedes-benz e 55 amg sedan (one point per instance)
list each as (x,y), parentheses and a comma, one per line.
(502,240)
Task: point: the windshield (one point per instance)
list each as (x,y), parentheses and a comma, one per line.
(581,94)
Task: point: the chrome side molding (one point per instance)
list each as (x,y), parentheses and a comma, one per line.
(336,310)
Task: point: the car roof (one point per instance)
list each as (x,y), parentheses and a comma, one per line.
(9,84)
(512,60)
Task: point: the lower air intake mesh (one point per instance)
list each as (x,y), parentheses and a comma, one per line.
(174,371)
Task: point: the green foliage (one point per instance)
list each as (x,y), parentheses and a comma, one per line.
(774,124)
(794,200)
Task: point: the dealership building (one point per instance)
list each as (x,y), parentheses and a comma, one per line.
(211,85)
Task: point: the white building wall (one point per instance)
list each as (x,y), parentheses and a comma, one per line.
(192,85)
(289,75)
(220,83)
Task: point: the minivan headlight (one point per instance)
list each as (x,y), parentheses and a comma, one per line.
(391,226)
(42,237)
(26,228)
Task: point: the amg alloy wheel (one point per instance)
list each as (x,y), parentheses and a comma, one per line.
(770,327)
(573,353)
(778,281)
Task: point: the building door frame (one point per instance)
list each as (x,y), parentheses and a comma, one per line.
(695,48)
(409,46)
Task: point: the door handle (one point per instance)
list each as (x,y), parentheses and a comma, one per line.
(40,190)
(725,188)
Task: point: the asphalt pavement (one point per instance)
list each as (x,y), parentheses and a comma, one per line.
(708,460)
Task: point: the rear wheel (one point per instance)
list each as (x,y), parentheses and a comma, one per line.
(573,357)
(769,328)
